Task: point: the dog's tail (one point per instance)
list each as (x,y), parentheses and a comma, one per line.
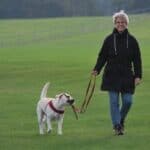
(44,90)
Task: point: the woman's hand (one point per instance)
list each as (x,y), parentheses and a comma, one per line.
(94,72)
(137,81)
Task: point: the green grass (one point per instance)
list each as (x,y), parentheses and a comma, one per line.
(64,51)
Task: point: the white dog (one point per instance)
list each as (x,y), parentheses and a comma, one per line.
(49,109)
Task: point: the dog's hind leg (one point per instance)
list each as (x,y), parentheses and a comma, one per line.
(44,118)
(40,120)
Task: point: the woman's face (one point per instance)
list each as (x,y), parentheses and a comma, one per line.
(120,24)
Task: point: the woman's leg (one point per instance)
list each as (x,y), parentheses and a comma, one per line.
(114,107)
(126,105)
(115,112)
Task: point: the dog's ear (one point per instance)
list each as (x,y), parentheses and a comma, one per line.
(67,95)
(59,96)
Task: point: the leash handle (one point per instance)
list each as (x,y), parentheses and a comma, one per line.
(92,91)
(88,94)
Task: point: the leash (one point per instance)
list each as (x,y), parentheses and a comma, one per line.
(88,94)
(74,110)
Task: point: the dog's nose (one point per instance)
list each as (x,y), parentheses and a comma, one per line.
(71,101)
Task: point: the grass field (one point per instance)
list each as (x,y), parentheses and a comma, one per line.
(63,51)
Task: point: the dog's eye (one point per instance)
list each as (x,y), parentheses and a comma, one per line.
(68,96)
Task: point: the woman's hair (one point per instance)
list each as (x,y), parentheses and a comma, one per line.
(121,13)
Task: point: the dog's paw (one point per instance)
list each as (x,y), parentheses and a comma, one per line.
(49,131)
(59,133)
(41,133)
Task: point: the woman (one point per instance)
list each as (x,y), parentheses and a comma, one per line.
(121,56)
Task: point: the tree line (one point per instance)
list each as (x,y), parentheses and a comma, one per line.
(67,8)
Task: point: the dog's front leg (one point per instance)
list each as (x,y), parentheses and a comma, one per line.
(49,126)
(60,124)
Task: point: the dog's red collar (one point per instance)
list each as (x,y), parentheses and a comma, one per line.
(54,109)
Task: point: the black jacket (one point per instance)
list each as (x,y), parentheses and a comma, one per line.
(121,56)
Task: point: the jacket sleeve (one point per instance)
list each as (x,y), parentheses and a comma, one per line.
(102,57)
(137,62)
